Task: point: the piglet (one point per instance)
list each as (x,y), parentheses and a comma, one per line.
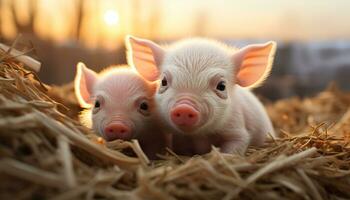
(204,95)
(120,105)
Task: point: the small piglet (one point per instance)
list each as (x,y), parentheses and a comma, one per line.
(204,96)
(119,105)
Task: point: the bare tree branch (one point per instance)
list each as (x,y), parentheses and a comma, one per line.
(33,11)
(14,14)
(80,14)
(1,5)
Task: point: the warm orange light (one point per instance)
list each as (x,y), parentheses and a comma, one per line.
(111,17)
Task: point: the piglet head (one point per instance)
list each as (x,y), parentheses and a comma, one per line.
(118,101)
(197,78)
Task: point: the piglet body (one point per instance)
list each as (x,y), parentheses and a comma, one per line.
(120,105)
(248,124)
(204,95)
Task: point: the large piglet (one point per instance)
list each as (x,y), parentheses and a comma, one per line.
(204,96)
(119,105)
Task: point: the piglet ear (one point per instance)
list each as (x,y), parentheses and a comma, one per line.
(145,55)
(83,84)
(253,64)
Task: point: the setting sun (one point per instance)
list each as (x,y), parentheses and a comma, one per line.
(111,17)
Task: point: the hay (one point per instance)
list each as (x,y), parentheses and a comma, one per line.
(30,62)
(47,154)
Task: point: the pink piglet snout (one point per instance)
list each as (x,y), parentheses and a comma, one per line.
(117,130)
(184,114)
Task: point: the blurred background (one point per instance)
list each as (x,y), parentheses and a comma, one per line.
(313,36)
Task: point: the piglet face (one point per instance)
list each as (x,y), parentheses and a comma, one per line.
(118,101)
(192,101)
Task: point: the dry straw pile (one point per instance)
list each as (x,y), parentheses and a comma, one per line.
(45,154)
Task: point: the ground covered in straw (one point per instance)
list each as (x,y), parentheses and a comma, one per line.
(46,154)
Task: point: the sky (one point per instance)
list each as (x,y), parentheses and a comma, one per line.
(284,19)
(107,21)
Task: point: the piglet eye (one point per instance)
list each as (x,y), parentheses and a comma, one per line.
(97,104)
(221,86)
(164,81)
(144,106)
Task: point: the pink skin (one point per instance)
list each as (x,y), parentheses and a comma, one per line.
(117,130)
(184,114)
(119,105)
(203,95)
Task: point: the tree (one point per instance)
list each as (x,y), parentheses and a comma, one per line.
(27,28)
(79,18)
(0,20)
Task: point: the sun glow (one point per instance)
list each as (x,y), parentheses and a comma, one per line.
(111,17)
